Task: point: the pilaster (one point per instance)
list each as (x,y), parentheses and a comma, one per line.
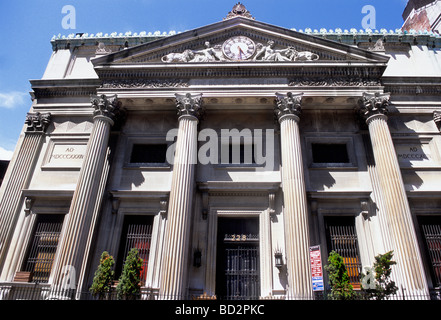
(21,168)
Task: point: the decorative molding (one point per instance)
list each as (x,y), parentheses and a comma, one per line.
(37,122)
(287,104)
(266,70)
(437,119)
(205,205)
(101,49)
(373,104)
(413,89)
(164,207)
(378,46)
(288,54)
(108,107)
(28,205)
(189,104)
(364,204)
(62,92)
(266,53)
(239,10)
(334,82)
(144,83)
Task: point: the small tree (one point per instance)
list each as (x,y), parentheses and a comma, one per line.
(341,289)
(103,278)
(129,286)
(380,286)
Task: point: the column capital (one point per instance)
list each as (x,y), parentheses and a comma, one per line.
(107,106)
(189,105)
(37,122)
(288,104)
(437,119)
(372,104)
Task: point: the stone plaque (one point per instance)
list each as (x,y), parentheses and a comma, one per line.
(413,154)
(66,155)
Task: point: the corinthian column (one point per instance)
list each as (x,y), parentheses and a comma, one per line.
(174,266)
(20,168)
(74,248)
(396,219)
(295,210)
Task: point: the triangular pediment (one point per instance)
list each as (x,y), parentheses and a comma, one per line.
(260,43)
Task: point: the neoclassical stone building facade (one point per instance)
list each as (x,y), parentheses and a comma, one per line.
(223,154)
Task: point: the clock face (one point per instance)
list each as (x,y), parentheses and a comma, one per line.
(239,48)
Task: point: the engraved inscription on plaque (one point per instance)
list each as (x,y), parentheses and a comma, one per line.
(413,154)
(65,155)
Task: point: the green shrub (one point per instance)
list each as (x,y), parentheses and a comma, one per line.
(380,286)
(341,289)
(129,285)
(102,281)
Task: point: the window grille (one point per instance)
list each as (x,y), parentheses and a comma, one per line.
(342,238)
(137,233)
(43,246)
(431,230)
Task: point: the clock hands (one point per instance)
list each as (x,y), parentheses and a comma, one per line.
(240,52)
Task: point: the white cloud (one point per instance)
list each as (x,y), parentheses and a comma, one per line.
(5,154)
(12,99)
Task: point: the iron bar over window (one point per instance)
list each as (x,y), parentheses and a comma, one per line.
(431,231)
(137,233)
(342,238)
(43,246)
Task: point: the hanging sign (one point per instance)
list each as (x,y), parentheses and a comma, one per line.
(316,268)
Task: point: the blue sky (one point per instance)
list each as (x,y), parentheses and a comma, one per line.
(28,26)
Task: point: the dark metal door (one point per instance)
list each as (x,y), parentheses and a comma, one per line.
(238,276)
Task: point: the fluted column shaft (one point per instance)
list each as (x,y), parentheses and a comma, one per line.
(75,243)
(19,178)
(294,196)
(409,271)
(173,281)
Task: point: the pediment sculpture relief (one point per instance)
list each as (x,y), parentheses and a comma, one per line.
(240,48)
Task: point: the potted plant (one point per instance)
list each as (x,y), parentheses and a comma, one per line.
(103,278)
(129,284)
(341,289)
(376,283)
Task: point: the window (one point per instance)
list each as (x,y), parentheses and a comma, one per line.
(431,232)
(43,246)
(329,153)
(136,233)
(148,153)
(341,237)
